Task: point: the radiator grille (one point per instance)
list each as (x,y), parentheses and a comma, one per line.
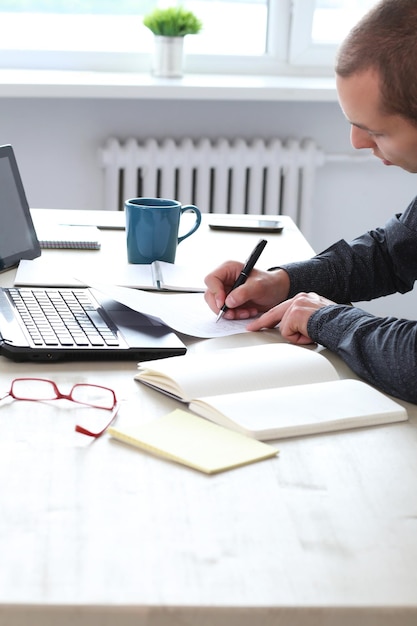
(220,176)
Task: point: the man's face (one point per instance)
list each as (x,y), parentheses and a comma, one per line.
(392,138)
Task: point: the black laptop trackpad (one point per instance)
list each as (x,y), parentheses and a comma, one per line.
(132,319)
(121,315)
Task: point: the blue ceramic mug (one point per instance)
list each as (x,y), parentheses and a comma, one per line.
(152,226)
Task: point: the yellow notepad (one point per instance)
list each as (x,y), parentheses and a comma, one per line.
(193,441)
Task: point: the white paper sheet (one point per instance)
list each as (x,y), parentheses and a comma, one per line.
(186,313)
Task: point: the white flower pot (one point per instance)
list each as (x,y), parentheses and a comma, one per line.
(168,57)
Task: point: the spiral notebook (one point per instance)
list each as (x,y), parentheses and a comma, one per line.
(61,236)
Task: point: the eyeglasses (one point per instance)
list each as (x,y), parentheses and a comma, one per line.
(41,389)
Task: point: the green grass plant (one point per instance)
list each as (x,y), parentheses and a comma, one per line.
(172,22)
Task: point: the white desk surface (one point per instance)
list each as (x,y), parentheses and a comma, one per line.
(97,533)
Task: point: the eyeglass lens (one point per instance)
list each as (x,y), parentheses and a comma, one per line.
(38,389)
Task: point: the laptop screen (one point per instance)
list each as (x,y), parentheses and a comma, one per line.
(18,238)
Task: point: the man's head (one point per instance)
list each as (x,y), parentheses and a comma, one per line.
(385,40)
(376,82)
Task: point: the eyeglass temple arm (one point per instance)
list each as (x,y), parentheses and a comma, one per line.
(90,433)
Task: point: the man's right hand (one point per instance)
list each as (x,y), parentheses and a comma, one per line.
(262,290)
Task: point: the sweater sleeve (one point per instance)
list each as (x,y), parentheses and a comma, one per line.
(381,350)
(380,262)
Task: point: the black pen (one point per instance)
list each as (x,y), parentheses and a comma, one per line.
(244,274)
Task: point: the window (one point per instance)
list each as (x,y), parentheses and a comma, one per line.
(318,26)
(239,36)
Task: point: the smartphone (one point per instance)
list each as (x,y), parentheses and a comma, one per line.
(252,225)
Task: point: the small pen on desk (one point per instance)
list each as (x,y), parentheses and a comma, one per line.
(244,274)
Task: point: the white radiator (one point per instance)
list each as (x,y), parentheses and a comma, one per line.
(219,176)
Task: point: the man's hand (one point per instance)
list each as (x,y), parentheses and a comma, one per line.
(261,291)
(292,317)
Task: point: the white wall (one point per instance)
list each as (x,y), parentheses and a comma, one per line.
(57,140)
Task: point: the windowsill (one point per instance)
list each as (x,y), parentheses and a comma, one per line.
(69,84)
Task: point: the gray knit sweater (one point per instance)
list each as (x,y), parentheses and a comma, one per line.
(381,350)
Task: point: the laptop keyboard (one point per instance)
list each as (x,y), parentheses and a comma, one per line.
(62,317)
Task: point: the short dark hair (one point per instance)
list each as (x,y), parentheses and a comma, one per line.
(385,40)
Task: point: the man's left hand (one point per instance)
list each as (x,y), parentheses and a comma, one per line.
(292,317)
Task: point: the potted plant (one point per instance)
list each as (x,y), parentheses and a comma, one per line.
(170,26)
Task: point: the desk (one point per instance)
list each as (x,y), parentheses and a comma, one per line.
(97,533)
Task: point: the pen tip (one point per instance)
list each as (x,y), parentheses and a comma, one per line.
(219,315)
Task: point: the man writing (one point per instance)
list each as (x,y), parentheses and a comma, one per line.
(377,90)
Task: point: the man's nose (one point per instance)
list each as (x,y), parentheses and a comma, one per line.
(360,138)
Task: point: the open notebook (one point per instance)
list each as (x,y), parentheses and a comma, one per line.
(158,276)
(270,391)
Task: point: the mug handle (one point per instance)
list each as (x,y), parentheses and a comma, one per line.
(192,209)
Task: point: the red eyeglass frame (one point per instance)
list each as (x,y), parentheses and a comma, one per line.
(64,396)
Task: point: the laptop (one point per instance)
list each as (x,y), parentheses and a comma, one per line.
(51,324)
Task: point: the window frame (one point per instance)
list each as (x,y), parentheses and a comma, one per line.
(290,51)
(302,50)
